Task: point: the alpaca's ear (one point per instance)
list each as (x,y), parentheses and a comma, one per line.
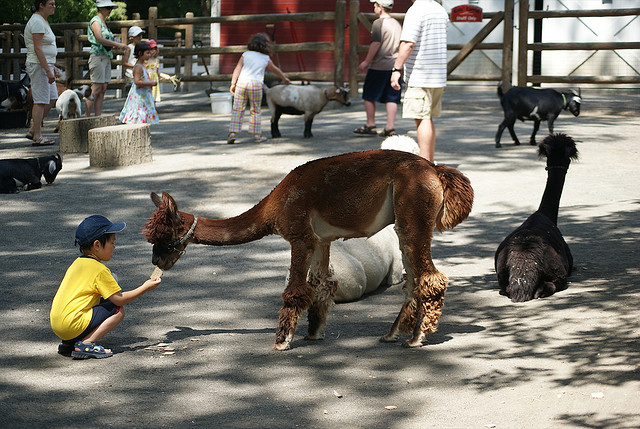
(156,199)
(169,203)
(543,149)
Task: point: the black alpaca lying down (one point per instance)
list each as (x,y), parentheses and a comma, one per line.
(534,261)
(26,173)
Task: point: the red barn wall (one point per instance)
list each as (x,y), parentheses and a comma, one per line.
(291,32)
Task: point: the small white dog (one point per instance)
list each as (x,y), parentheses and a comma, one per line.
(68,106)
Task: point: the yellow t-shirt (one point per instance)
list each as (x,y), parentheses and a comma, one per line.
(84,283)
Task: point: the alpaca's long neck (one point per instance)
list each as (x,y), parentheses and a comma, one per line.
(552,193)
(249,226)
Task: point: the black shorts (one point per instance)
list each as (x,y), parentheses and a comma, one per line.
(101,312)
(377,87)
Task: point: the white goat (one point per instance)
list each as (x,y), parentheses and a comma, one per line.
(68,106)
(305,100)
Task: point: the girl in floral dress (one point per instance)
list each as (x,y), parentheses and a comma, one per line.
(140,107)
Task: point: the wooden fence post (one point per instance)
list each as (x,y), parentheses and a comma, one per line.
(188,43)
(16,49)
(338,48)
(68,61)
(178,37)
(152,31)
(6,49)
(507,46)
(523,30)
(76,47)
(354,10)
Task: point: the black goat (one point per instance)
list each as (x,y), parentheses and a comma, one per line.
(534,261)
(27,172)
(536,105)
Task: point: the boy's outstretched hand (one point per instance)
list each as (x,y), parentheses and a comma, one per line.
(151,284)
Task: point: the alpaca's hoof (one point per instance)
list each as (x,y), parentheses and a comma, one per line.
(533,143)
(498,145)
(389,338)
(412,343)
(280,347)
(416,341)
(316,337)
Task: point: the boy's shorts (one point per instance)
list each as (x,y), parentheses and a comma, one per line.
(101,312)
(99,69)
(377,87)
(42,91)
(422,103)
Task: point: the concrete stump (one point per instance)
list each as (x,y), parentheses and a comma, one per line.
(74,133)
(120,145)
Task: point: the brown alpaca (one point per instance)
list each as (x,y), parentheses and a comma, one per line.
(345,196)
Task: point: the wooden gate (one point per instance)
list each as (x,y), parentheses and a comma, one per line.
(588,48)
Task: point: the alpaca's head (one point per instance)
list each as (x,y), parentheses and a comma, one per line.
(559,149)
(164,229)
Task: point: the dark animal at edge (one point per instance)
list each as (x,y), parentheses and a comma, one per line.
(534,261)
(537,105)
(16,92)
(27,172)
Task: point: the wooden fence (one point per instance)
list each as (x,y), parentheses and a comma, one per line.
(74,57)
(182,50)
(524,46)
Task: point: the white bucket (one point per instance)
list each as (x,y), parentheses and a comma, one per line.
(220,102)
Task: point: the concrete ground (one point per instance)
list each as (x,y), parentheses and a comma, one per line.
(196,352)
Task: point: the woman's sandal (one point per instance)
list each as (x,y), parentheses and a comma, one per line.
(366,130)
(43,141)
(259,139)
(89,350)
(29,135)
(232,138)
(387,133)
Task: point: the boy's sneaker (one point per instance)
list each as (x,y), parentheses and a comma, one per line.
(65,349)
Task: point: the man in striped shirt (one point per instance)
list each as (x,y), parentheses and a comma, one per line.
(423,53)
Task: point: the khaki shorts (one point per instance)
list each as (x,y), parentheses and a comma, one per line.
(42,91)
(422,103)
(99,69)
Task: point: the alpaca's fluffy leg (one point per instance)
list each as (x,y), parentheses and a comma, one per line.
(320,277)
(425,287)
(429,302)
(297,296)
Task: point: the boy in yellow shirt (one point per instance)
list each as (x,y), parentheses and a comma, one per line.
(89,302)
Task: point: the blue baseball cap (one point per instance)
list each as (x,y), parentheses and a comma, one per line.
(95,227)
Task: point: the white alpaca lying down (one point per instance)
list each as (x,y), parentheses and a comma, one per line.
(68,106)
(361,265)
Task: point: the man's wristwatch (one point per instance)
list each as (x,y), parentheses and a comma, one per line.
(396,70)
